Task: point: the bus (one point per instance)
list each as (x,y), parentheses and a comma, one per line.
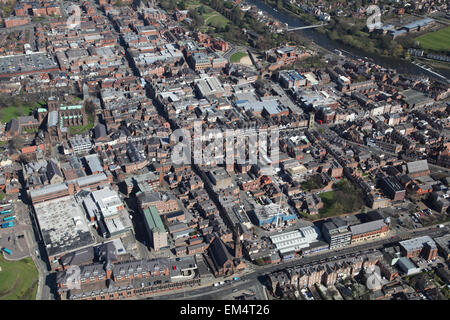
(9,218)
(5,211)
(7,251)
(8,224)
(5,207)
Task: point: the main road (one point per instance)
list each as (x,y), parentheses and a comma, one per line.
(247,280)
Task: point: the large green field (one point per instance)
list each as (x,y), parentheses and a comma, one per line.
(438,40)
(18,279)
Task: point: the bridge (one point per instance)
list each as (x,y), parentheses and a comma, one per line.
(307,27)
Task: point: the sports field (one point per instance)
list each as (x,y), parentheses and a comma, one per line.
(438,40)
(18,279)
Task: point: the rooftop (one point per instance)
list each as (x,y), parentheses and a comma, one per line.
(63,225)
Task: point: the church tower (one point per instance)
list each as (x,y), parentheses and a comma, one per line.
(237,244)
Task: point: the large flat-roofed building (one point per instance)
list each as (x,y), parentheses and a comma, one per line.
(155,228)
(291,79)
(420,246)
(209,86)
(26,64)
(336,233)
(407,266)
(369,231)
(108,202)
(63,226)
(272,215)
(220,178)
(80,144)
(107,208)
(290,242)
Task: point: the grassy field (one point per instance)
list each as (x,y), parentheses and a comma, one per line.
(345,198)
(438,40)
(18,279)
(216,20)
(12,112)
(237,56)
(213,18)
(18,110)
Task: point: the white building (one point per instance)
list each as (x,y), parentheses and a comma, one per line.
(80,144)
(294,241)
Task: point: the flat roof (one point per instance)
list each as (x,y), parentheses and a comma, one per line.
(63,225)
(417,243)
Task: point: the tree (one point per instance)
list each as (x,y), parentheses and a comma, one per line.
(280,4)
(236,16)
(259,261)
(89,107)
(398,51)
(16,143)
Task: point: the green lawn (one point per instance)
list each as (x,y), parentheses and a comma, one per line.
(216,20)
(15,111)
(438,40)
(80,129)
(237,56)
(211,17)
(345,198)
(12,112)
(18,279)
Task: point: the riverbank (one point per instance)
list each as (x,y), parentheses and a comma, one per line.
(323,40)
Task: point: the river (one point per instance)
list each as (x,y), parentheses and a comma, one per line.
(323,41)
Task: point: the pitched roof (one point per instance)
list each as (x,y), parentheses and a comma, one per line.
(417,166)
(219,253)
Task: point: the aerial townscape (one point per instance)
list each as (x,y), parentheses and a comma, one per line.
(224,150)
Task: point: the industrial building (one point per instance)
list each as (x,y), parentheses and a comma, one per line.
(63,226)
(407,266)
(288,243)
